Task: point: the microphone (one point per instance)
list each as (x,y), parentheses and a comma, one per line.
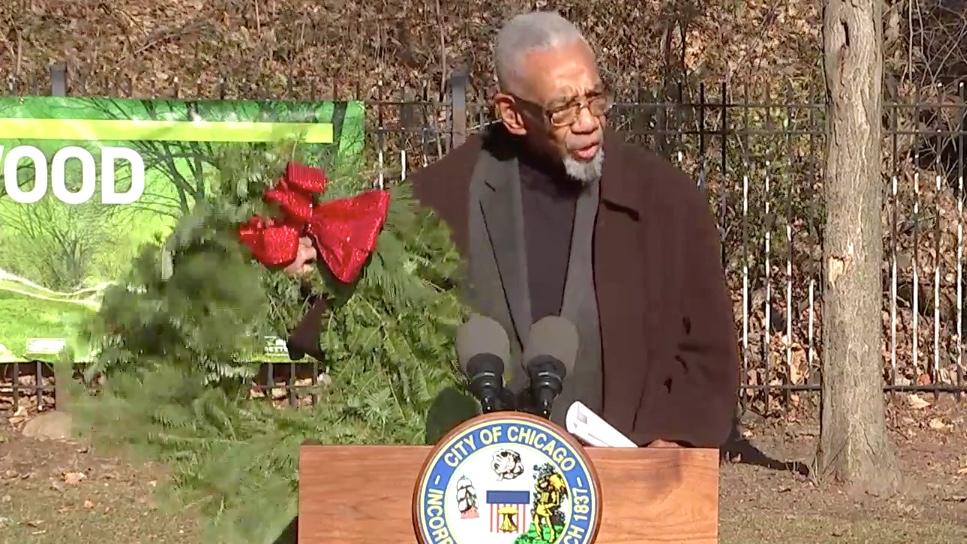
(552,348)
(484,350)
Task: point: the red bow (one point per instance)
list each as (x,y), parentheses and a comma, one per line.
(344,231)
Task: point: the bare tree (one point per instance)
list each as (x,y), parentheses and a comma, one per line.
(854,447)
(58,244)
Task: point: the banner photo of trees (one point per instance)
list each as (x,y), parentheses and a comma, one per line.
(87,181)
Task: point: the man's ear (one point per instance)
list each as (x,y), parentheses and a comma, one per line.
(509,115)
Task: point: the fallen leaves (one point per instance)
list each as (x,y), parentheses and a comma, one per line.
(74,478)
(27,404)
(68,490)
(938,424)
(19,417)
(840,532)
(916,402)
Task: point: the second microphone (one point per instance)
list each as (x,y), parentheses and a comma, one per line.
(550,354)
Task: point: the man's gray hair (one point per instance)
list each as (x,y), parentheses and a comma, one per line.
(529,32)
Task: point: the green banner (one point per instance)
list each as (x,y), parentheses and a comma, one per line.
(87,181)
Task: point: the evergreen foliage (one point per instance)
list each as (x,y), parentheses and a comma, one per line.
(174,351)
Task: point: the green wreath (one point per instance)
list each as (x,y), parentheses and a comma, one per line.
(174,341)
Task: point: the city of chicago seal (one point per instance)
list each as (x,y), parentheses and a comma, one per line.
(507,478)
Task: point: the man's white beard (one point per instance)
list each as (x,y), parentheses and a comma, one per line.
(586,172)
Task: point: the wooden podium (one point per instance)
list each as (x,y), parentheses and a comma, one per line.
(357,494)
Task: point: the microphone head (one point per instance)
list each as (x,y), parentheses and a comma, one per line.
(553,336)
(482,335)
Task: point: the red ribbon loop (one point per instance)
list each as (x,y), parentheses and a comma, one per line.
(344,231)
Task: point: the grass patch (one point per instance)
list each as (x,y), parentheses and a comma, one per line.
(23,317)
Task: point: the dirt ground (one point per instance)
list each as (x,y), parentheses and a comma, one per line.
(763,499)
(64,492)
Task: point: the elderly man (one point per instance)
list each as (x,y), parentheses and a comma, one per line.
(557,216)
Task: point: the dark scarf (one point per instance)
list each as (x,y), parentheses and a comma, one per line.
(499,272)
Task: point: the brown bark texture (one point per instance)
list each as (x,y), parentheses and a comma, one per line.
(854,448)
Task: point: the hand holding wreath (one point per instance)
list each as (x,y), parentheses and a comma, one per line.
(305,259)
(343,231)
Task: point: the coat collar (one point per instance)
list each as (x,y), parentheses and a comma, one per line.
(502,209)
(615,187)
(618,190)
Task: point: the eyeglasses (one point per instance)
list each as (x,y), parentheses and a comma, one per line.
(562,116)
(567,114)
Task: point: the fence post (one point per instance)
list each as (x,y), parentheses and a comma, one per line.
(63,367)
(458,102)
(58,79)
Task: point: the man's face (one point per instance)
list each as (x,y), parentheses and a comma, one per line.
(561,108)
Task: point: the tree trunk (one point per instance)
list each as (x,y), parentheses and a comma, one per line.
(854,448)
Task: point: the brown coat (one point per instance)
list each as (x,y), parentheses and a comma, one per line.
(669,352)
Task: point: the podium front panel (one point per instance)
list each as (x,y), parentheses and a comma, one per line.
(654,495)
(357,494)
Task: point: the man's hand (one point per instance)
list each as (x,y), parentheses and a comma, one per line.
(305,259)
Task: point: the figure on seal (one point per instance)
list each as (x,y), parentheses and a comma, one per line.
(551,491)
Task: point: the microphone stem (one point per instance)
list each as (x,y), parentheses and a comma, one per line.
(545,399)
(488,403)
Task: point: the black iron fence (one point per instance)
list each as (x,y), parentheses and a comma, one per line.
(760,158)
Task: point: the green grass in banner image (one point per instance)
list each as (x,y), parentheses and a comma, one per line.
(24,317)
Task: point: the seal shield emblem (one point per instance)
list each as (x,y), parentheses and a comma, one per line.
(532,484)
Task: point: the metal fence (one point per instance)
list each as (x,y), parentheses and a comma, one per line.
(760,159)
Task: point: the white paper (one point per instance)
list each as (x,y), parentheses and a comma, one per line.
(594,431)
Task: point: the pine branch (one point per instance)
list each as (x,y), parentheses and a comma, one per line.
(174,350)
